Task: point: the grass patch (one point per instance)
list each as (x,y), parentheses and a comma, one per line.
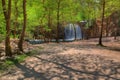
(10,63)
(6,65)
(20,58)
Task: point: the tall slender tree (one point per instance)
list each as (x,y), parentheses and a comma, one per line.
(7,15)
(16,17)
(102,24)
(20,43)
(58,19)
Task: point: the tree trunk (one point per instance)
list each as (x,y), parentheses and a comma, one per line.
(7,15)
(20,43)
(16,18)
(102,25)
(58,20)
(49,24)
(115,33)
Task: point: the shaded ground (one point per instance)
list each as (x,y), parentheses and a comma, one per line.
(79,60)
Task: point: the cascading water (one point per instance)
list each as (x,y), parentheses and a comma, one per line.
(78,32)
(69,33)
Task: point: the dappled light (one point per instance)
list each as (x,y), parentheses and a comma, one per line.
(78,60)
(59,39)
(68,67)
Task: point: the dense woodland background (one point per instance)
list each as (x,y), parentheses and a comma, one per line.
(42,19)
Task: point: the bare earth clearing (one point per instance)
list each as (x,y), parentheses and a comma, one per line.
(78,60)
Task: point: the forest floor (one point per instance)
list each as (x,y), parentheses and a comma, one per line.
(77,60)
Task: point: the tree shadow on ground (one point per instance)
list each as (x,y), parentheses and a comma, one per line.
(69,67)
(105,69)
(30,73)
(113,48)
(26,72)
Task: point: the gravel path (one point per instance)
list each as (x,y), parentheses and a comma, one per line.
(79,60)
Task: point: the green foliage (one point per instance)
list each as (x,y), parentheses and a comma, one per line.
(6,65)
(39,11)
(11,62)
(70,11)
(2,23)
(20,58)
(46,28)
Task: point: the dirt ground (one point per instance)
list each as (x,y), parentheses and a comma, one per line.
(78,60)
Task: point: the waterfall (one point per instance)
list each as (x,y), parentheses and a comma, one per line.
(69,33)
(78,32)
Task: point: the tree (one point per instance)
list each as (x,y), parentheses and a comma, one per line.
(102,25)
(7,15)
(15,21)
(20,43)
(58,18)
